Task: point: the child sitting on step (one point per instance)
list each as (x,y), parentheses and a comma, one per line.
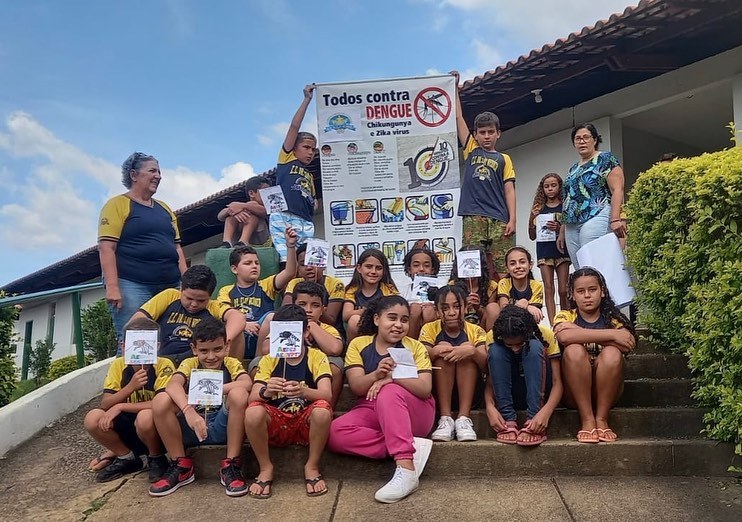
(595,337)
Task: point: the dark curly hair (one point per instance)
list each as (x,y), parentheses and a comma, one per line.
(377,306)
(236,255)
(434,261)
(484,279)
(198,277)
(458,289)
(608,309)
(515,321)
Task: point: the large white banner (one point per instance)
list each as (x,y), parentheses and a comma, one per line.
(390,169)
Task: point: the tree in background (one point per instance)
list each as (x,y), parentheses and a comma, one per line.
(8,371)
(99,336)
(40,359)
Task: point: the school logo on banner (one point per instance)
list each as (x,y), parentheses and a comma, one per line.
(339,123)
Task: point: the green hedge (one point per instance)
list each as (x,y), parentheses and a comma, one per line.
(685,247)
(64,366)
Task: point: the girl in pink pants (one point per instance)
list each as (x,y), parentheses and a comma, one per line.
(392,414)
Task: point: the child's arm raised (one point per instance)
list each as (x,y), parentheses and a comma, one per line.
(289,272)
(461,127)
(290,141)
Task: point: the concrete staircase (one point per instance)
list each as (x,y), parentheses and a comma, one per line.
(656,421)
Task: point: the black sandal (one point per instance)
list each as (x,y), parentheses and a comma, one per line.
(313,482)
(263,484)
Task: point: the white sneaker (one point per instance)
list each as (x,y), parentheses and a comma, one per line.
(465,429)
(445,430)
(422,452)
(403,483)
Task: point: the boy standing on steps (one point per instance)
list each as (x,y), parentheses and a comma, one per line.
(181,424)
(487,201)
(289,404)
(123,423)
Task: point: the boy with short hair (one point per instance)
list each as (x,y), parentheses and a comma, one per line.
(254,297)
(290,405)
(179,311)
(249,219)
(181,424)
(487,201)
(335,288)
(123,423)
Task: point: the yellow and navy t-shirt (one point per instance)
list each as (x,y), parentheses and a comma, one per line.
(334,286)
(330,330)
(552,347)
(491,288)
(354,295)
(177,323)
(434,333)
(573,316)
(483,185)
(254,301)
(362,353)
(145,239)
(297,184)
(231,369)
(312,367)
(120,374)
(534,292)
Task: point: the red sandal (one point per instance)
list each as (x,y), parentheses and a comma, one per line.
(510,427)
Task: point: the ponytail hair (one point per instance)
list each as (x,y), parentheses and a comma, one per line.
(366,325)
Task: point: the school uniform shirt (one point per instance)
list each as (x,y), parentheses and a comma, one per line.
(312,367)
(552,347)
(548,249)
(176,323)
(534,292)
(434,333)
(362,353)
(253,301)
(120,374)
(334,286)
(231,369)
(483,185)
(297,184)
(145,239)
(330,330)
(491,288)
(573,316)
(354,295)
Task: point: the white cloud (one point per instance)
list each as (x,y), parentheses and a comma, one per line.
(265,140)
(488,57)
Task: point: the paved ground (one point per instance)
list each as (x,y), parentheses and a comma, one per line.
(45,479)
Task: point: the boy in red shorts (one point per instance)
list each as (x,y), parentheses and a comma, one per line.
(290,404)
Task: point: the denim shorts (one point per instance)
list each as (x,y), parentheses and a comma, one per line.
(216,429)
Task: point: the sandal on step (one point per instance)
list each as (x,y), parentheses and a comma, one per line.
(263,484)
(510,427)
(593,433)
(100,463)
(313,482)
(602,432)
(540,437)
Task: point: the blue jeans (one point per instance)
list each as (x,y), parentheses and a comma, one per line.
(578,235)
(513,390)
(216,428)
(133,296)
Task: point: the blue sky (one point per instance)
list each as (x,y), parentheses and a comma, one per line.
(208,88)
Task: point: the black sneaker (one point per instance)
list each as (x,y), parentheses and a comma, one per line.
(118,468)
(239,244)
(157,467)
(178,474)
(226,244)
(230,475)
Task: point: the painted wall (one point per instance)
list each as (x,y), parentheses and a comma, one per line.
(737,101)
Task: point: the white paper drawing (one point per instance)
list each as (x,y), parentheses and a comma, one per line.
(318,250)
(543,234)
(405,364)
(206,387)
(469,264)
(286,338)
(420,286)
(140,347)
(273,199)
(605,255)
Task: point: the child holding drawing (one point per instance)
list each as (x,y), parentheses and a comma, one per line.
(543,228)
(392,413)
(481,303)
(420,262)
(296,182)
(290,404)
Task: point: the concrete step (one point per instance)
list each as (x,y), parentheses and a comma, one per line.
(675,423)
(656,366)
(487,458)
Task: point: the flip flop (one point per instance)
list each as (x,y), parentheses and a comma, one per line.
(593,436)
(95,465)
(510,427)
(313,482)
(263,484)
(540,437)
(602,435)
